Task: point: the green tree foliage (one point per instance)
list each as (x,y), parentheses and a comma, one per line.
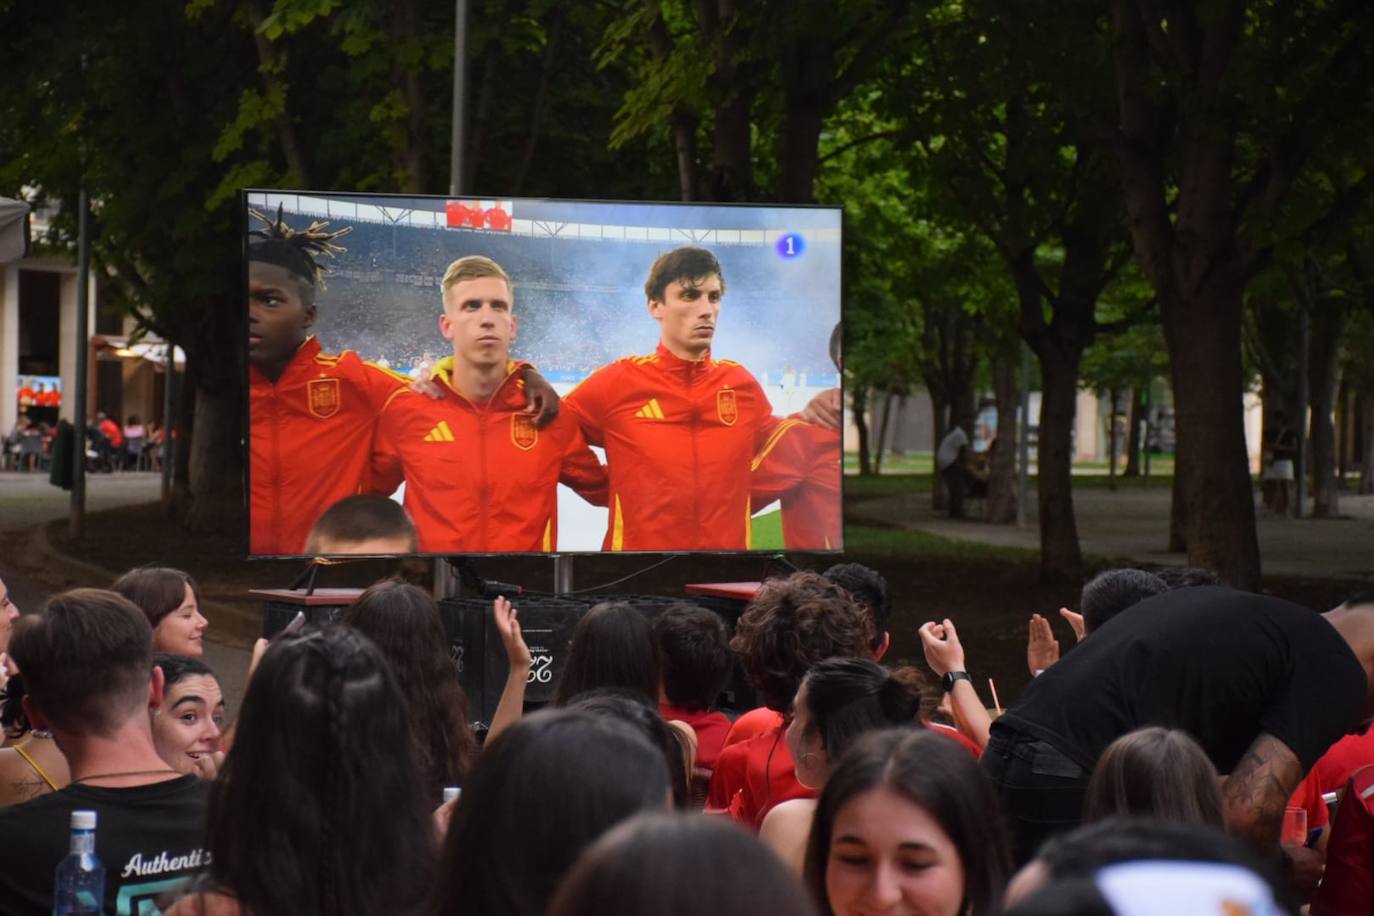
(162,112)
(1225,111)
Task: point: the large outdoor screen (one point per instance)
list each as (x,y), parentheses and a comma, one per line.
(405,357)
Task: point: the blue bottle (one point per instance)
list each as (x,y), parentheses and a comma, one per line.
(79,885)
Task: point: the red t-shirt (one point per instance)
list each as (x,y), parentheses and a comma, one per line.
(755,773)
(1347,755)
(752,776)
(710,726)
(754,722)
(110,429)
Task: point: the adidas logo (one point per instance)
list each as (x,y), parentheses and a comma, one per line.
(650,411)
(440,433)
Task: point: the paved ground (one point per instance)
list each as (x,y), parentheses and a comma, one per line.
(1134,524)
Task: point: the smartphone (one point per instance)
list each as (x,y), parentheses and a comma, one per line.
(296,623)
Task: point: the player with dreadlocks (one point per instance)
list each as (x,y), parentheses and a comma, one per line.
(312,415)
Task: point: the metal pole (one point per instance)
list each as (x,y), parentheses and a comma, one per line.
(166,448)
(562,574)
(446,581)
(460,98)
(1023,441)
(77,521)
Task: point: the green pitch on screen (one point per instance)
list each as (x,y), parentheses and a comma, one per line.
(766,531)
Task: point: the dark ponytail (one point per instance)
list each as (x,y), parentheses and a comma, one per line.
(846,697)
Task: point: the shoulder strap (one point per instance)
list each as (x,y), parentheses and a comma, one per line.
(36,768)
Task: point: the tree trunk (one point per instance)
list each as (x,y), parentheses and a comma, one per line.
(807,69)
(1328,324)
(732,171)
(540,106)
(684,125)
(1212,470)
(883,426)
(215,463)
(1001,508)
(1111,440)
(1366,439)
(1178,501)
(409,76)
(481,114)
(1061,559)
(859,411)
(271,67)
(940,424)
(1137,416)
(1343,429)
(181,435)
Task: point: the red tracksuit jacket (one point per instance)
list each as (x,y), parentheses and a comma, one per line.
(482,478)
(800,465)
(679,438)
(310,439)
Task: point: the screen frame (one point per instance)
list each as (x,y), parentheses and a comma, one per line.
(245,223)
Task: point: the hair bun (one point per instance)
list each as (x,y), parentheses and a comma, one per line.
(900,694)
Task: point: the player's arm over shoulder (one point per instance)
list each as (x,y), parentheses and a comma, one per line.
(592,398)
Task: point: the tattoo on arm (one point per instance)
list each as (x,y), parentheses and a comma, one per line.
(1258,789)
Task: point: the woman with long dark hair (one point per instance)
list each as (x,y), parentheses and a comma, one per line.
(403,621)
(542,791)
(680,865)
(612,646)
(318,809)
(907,818)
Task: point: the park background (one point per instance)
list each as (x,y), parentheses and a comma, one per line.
(1165,204)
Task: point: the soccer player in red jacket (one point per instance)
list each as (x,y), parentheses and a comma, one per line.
(679,428)
(312,415)
(479,475)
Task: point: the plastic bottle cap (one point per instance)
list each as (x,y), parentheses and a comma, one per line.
(451,792)
(83,820)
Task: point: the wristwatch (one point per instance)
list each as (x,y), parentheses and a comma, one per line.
(952,677)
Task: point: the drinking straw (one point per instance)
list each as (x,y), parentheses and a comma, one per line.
(995,702)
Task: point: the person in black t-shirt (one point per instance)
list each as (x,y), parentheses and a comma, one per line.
(86,661)
(1265,686)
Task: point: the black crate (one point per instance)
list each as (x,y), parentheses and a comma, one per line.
(546,622)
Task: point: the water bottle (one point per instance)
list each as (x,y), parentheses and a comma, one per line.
(79,885)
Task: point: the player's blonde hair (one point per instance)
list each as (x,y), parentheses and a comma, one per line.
(474,267)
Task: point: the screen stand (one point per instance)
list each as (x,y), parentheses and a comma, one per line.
(562,574)
(307,578)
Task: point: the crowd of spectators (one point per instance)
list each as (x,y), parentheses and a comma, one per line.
(1181,757)
(29,446)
